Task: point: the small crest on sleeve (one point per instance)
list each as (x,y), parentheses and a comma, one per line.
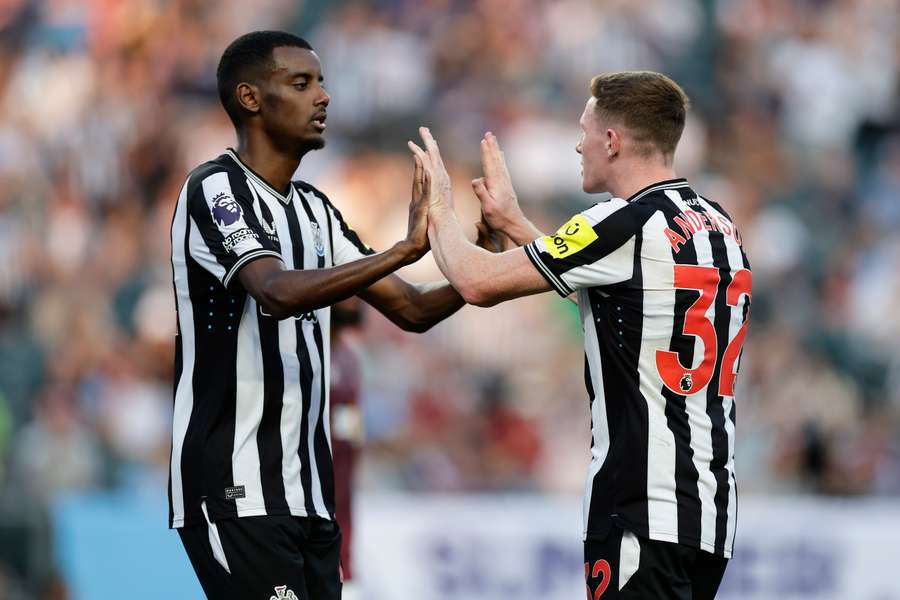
(225,209)
(572,237)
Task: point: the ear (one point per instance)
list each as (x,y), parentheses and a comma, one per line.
(613,143)
(248,97)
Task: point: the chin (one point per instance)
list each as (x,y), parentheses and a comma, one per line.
(315,143)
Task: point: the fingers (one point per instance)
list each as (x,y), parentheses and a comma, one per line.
(488,164)
(431,145)
(418,178)
(420,154)
(480,189)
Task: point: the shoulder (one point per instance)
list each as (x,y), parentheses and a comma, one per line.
(217,174)
(309,189)
(619,213)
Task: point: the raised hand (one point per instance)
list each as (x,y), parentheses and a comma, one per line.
(499,203)
(441,195)
(417,229)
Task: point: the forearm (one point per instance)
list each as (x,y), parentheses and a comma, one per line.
(436,301)
(410,306)
(462,262)
(520,230)
(290,292)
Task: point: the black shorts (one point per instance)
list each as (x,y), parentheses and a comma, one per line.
(626,567)
(277,558)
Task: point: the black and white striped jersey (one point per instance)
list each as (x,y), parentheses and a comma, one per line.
(251,429)
(664,292)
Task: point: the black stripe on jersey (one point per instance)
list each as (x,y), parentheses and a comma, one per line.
(619,322)
(715,409)
(198,211)
(613,232)
(211,428)
(323,452)
(687,489)
(345,229)
(268,435)
(306,371)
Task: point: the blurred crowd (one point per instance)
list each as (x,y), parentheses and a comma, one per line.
(107,104)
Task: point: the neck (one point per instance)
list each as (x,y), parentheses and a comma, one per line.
(634,177)
(275,165)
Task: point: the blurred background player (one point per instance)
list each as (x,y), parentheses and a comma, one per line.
(346,425)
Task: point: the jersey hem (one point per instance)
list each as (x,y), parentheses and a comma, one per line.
(663,536)
(253,511)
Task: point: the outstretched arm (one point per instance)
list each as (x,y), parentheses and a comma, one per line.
(283,292)
(480,277)
(411,306)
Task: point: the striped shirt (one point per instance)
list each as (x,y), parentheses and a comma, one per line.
(664,291)
(251,429)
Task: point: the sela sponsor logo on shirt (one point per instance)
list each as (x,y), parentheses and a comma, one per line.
(283,593)
(225,209)
(237,237)
(317,238)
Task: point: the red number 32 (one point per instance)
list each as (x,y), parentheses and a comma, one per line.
(685,381)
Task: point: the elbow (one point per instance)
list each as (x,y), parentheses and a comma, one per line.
(273,302)
(475,295)
(417,326)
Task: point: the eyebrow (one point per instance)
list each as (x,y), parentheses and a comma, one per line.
(306,75)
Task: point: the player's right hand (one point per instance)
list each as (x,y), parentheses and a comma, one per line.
(417,228)
(499,204)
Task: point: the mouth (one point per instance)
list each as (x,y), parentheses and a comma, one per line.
(318,122)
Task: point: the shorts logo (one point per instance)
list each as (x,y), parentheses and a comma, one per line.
(317,238)
(572,237)
(282,593)
(225,209)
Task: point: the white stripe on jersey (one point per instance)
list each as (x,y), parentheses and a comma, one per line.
(600,431)
(291,409)
(736,262)
(201,252)
(315,400)
(184,392)
(698,419)
(657,324)
(249,393)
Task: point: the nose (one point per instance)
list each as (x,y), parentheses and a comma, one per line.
(324,99)
(578,147)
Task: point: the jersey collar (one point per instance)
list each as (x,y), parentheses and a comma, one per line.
(258,178)
(668,184)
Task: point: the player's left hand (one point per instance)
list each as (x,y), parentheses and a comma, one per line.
(490,239)
(441,195)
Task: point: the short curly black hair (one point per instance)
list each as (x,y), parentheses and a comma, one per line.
(246,59)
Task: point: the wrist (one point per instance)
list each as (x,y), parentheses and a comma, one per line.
(407,252)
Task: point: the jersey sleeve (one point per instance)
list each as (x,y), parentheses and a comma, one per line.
(225,230)
(346,245)
(593,248)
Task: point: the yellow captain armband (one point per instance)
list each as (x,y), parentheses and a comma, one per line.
(571,238)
